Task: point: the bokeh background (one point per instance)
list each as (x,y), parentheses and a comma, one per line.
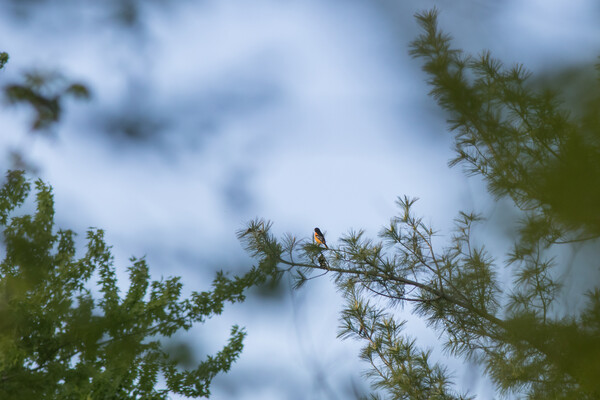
(207,114)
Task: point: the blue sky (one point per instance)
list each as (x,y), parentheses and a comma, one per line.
(207,114)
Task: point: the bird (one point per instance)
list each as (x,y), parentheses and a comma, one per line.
(323,261)
(320,238)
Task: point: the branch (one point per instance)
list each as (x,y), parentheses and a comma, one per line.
(405,281)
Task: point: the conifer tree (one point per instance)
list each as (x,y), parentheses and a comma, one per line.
(529,149)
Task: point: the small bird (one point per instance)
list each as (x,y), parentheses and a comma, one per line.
(320,238)
(323,261)
(362,332)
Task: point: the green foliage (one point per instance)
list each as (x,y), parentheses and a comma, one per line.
(524,143)
(58,341)
(398,366)
(44,92)
(527,147)
(3,59)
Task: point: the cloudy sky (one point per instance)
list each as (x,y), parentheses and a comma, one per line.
(207,114)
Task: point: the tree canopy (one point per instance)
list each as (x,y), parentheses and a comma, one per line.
(64,337)
(528,148)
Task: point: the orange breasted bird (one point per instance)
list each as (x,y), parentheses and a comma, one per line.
(320,238)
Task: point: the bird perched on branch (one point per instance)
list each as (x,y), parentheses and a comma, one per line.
(320,238)
(323,261)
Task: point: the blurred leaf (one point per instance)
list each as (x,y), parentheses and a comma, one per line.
(78,91)
(3,59)
(44,93)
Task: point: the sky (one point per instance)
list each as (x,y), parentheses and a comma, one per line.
(205,115)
